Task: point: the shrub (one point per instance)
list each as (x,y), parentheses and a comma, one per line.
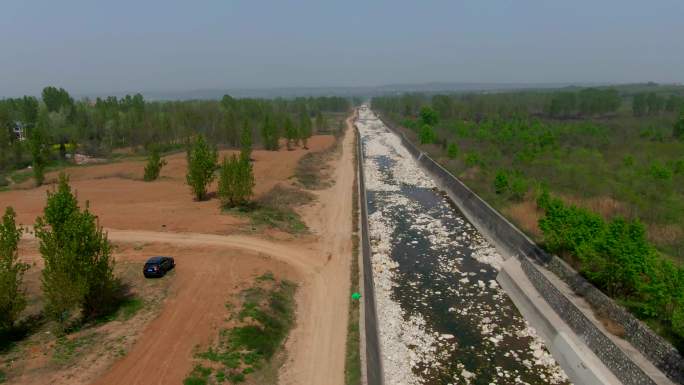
(501,182)
(472,159)
(154,165)
(78,276)
(518,187)
(614,256)
(12,298)
(202,159)
(452,151)
(678,318)
(660,171)
(236,181)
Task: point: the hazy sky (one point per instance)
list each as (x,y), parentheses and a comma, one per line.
(111,46)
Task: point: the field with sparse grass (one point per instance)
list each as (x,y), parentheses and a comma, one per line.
(249,346)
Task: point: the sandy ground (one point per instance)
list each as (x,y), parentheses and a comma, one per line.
(214,262)
(317,345)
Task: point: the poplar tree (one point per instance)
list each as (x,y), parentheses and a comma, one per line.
(12,297)
(40,151)
(269,134)
(202,160)
(291,133)
(304,128)
(236,181)
(246,141)
(78,279)
(154,164)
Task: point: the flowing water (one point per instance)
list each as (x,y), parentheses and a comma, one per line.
(442,317)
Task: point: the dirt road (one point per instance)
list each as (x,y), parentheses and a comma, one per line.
(317,345)
(210,268)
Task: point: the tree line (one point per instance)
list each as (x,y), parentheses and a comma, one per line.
(650,103)
(57,124)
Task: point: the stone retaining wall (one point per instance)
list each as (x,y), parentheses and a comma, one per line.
(506,236)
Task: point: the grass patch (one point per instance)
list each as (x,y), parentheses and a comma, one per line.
(130,307)
(67,349)
(3,377)
(352,364)
(275,209)
(313,170)
(199,376)
(262,323)
(21,176)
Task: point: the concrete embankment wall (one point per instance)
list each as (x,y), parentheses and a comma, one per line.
(513,242)
(374,375)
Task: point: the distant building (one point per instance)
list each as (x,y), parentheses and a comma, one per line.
(19,131)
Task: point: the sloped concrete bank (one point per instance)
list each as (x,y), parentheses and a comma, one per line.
(370,320)
(512,242)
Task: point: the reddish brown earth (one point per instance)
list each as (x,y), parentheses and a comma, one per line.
(122,200)
(214,262)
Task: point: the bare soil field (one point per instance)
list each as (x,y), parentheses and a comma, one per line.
(215,260)
(122,200)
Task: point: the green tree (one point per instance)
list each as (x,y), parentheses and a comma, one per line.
(639,106)
(236,181)
(427,134)
(40,148)
(202,161)
(321,124)
(154,164)
(678,129)
(29,110)
(452,151)
(78,280)
(304,128)
(246,141)
(428,116)
(269,134)
(12,297)
(291,133)
(56,99)
(5,145)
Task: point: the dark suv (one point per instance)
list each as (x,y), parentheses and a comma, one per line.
(158,266)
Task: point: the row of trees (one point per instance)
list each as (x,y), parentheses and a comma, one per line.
(651,103)
(78,281)
(236,177)
(586,102)
(564,104)
(97,126)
